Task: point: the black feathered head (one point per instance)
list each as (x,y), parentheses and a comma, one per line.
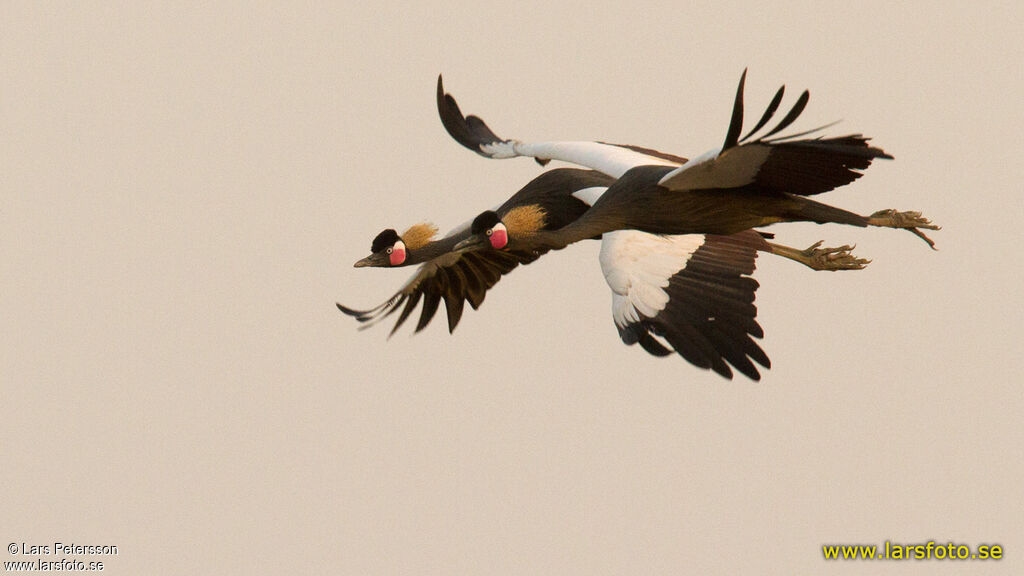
(485,221)
(486,228)
(387,250)
(384,239)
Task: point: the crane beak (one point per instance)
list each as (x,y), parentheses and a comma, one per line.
(475,242)
(370,260)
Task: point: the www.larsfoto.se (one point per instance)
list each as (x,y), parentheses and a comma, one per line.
(927,551)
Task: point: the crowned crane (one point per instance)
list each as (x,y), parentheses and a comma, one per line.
(710,325)
(459,277)
(746,183)
(706,273)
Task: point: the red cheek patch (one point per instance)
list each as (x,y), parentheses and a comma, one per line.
(397,257)
(499,239)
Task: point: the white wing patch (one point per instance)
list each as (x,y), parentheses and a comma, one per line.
(590,195)
(611,160)
(500,150)
(713,169)
(638,267)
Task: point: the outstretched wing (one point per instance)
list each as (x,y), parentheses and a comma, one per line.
(455,278)
(692,292)
(561,195)
(791,164)
(611,159)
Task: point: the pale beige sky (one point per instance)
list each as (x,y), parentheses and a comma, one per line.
(183,192)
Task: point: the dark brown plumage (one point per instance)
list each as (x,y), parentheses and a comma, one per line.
(457,278)
(702,303)
(710,317)
(747,184)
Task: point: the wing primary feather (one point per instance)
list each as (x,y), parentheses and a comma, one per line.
(489,270)
(768,113)
(474,289)
(452,118)
(732,137)
(410,305)
(640,333)
(699,342)
(453,306)
(649,343)
(349,311)
(454,297)
(685,343)
(481,132)
(795,112)
(799,134)
(758,355)
(430,302)
(364,315)
(471,132)
(732,348)
(393,305)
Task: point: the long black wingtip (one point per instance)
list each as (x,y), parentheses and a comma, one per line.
(794,113)
(410,305)
(442,104)
(732,138)
(470,131)
(768,113)
(451,117)
(348,311)
(440,95)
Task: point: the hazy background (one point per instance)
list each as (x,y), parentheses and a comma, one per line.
(183,191)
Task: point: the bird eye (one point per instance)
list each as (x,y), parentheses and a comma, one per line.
(490,231)
(389,250)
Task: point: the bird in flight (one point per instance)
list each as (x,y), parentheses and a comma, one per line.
(639,268)
(466,276)
(693,291)
(746,183)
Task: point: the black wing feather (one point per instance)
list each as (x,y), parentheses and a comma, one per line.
(476,289)
(732,137)
(808,167)
(794,113)
(410,305)
(467,278)
(431,299)
(768,113)
(454,296)
(795,166)
(710,318)
(471,131)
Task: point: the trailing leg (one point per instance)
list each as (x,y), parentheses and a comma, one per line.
(807,210)
(815,258)
(904,220)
